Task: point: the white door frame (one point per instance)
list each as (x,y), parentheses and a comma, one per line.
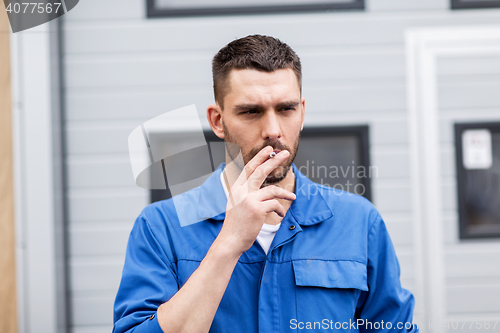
(38,194)
(423,47)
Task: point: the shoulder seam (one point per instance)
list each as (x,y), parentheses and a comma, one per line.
(168,263)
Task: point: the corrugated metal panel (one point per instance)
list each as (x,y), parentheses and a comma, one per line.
(477,298)
(122,69)
(409,5)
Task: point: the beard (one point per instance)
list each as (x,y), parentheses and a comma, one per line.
(277,174)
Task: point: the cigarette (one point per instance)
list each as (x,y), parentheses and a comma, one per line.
(272,154)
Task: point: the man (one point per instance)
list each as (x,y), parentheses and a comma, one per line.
(287,254)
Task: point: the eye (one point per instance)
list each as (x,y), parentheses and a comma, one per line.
(250,112)
(288,108)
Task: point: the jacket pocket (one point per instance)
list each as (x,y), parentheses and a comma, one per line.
(330,274)
(327,291)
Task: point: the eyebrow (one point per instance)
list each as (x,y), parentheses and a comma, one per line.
(258,107)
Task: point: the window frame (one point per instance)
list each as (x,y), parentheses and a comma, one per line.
(154,12)
(476,4)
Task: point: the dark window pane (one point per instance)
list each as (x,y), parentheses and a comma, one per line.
(478,186)
(333,161)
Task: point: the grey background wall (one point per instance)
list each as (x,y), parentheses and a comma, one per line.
(121,69)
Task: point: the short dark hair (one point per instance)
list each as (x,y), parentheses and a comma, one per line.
(263,53)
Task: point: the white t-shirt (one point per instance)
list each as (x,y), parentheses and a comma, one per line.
(267,232)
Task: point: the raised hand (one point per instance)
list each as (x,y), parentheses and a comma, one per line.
(249,204)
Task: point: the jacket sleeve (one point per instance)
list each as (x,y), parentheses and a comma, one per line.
(148,280)
(386,306)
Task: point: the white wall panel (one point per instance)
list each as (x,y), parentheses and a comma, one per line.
(394,131)
(114,10)
(391,164)
(99,238)
(141,69)
(348,98)
(407,267)
(473,299)
(110,205)
(93,307)
(99,139)
(391,198)
(91,329)
(100,171)
(450,225)
(140,104)
(448,166)
(134,103)
(467,95)
(318,30)
(472,65)
(138,70)
(401,234)
(408,5)
(471,264)
(449,194)
(102,272)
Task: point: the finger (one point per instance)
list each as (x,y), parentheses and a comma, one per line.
(274,192)
(274,206)
(257,178)
(257,160)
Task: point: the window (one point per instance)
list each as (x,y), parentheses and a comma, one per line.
(169,8)
(334,156)
(468,4)
(478,178)
(337,157)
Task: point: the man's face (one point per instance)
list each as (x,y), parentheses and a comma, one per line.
(264,109)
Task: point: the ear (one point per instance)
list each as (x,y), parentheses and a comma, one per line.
(303,107)
(214,117)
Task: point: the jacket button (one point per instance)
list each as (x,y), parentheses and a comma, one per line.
(292,227)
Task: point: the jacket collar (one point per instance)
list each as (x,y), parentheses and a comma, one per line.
(308,208)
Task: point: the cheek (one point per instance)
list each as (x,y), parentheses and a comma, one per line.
(293,134)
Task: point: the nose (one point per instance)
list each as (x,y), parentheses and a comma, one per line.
(271,128)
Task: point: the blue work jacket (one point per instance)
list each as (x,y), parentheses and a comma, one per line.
(330,267)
